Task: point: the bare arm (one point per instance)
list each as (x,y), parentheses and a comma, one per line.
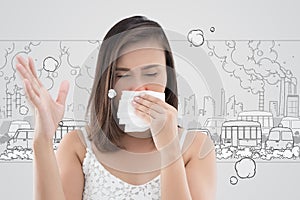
(174,184)
(48,113)
(177,181)
(196,180)
(201,169)
(70,166)
(47,184)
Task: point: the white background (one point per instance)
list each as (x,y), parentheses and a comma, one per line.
(90,20)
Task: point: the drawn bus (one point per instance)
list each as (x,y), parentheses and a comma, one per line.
(280,138)
(241,134)
(23,137)
(263,117)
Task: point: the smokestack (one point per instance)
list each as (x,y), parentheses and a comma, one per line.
(222,113)
(288,84)
(293,88)
(8,105)
(282,97)
(261,100)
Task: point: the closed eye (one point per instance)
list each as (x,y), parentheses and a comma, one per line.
(153,74)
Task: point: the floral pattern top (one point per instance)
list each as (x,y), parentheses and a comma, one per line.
(101,184)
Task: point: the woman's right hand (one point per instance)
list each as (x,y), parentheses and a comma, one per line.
(48,113)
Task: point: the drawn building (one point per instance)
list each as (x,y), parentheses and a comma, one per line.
(288,86)
(292,106)
(209,106)
(233,108)
(273,108)
(222,111)
(189,105)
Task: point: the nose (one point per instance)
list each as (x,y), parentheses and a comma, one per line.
(143,87)
(139,84)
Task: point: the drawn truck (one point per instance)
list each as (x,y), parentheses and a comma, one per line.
(280,138)
(241,134)
(23,138)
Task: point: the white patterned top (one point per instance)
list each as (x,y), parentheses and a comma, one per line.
(101,184)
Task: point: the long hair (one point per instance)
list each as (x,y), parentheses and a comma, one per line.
(103,129)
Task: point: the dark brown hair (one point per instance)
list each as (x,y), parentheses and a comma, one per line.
(103,129)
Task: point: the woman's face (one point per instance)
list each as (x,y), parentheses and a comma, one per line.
(140,67)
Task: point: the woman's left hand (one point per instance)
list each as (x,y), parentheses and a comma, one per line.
(161,116)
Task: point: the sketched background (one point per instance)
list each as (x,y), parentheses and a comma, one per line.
(53,26)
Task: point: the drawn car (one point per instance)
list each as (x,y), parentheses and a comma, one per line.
(214,125)
(280,138)
(22,138)
(17,124)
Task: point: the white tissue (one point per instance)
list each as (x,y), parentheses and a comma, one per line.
(126,115)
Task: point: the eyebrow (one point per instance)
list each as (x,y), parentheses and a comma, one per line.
(143,68)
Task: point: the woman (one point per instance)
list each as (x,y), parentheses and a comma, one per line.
(135,55)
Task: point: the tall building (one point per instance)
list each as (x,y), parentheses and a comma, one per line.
(288,87)
(233,108)
(209,106)
(190,105)
(222,111)
(273,108)
(292,106)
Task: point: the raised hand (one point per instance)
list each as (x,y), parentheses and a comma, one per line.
(48,113)
(161,116)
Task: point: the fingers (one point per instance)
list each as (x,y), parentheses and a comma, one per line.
(32,69)
(63,92)
(25,75)
(147,116)
(27,72)
(153,99)
(145,104)
(31,94)
(29,65)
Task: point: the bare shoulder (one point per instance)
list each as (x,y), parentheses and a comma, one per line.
(69,160)
(73,143)
(197,144)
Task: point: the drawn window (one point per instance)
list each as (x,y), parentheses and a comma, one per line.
(286,135)
(292,107)
(241,132)
(253,132)
(270,121)
(228,133)
(22,135)
(261,121)
(296,124)
(223,132)
(266,122)
(274,135)
(247,132)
